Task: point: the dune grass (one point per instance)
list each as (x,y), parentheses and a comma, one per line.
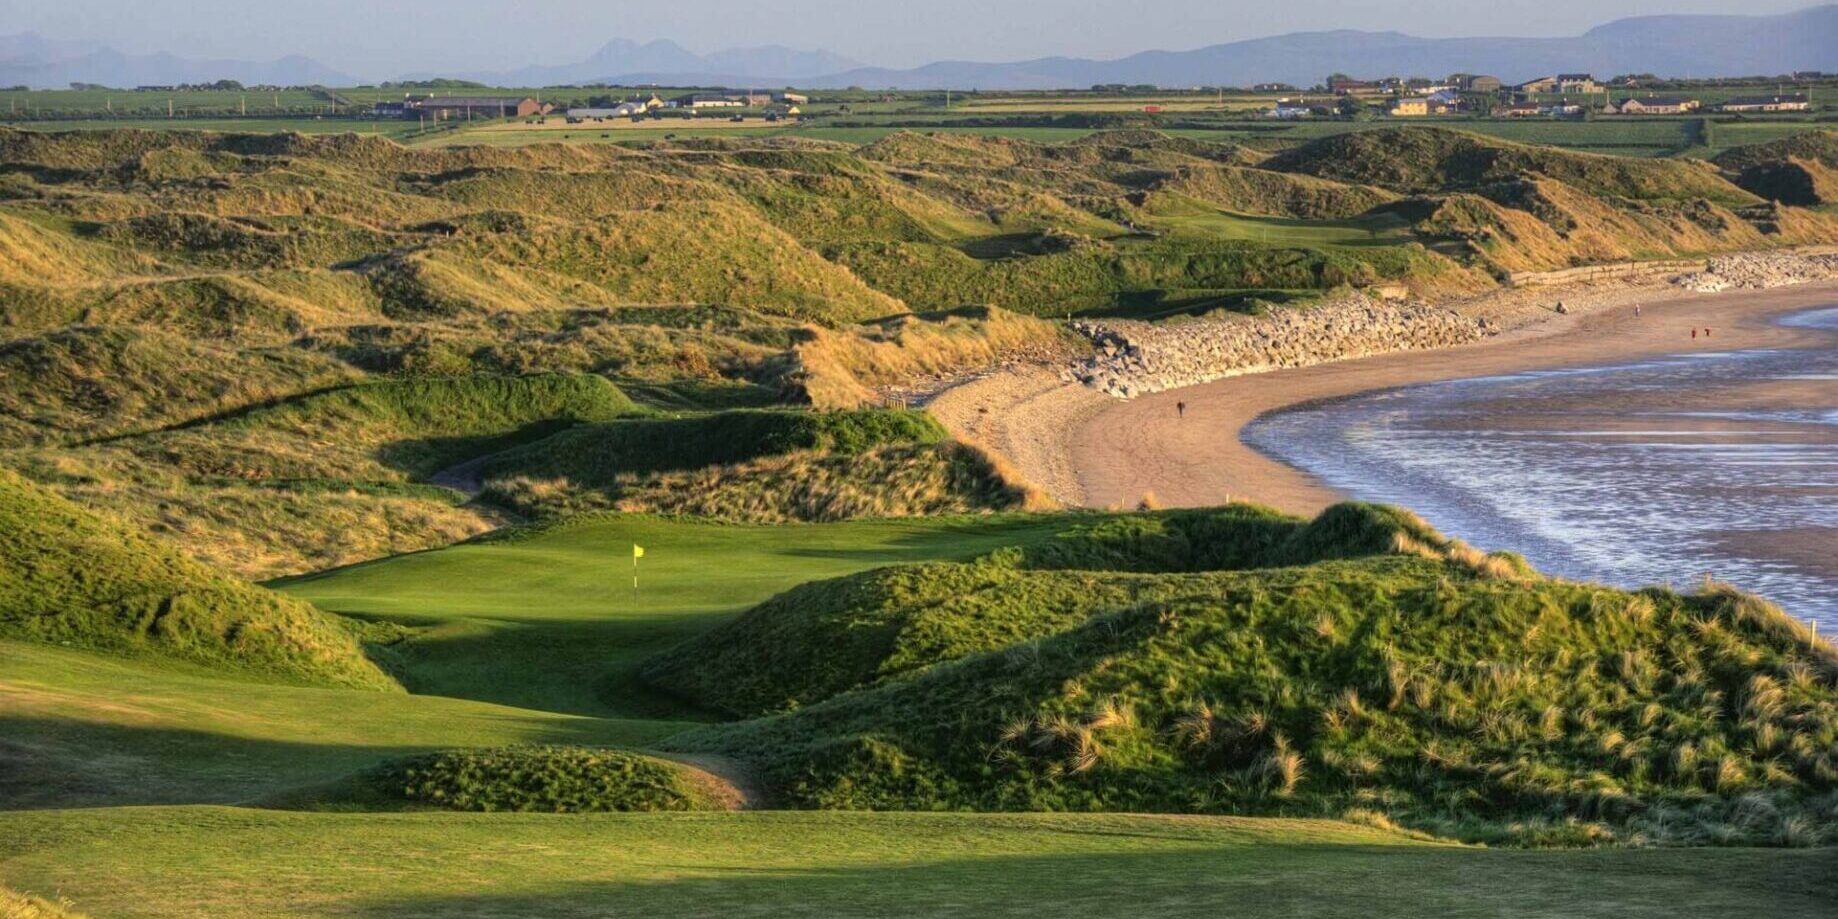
(152,863)
(83,580)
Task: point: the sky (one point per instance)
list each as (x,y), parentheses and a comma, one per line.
(375,39)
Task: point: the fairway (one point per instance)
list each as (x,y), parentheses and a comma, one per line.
(549,620)
(161,862)
(86,729)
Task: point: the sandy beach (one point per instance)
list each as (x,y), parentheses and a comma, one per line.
(1127,449)
(1088,449)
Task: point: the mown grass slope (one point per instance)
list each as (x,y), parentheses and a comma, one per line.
(73,578)
(149,861)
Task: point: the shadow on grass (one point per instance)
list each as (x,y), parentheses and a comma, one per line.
(577,667)
(1288,880)
(64,763)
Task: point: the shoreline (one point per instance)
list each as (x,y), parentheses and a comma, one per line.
(1141,446)
(1089,449)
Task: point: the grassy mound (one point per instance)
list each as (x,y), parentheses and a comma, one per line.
(827,637)
(1260,191)
(597,455)
(755,466)
(87,381)
(1820,146)
(897,480)
(1424,688)
(1420,160)
(415,426)
(546,779)
(1797,170)
(70,577)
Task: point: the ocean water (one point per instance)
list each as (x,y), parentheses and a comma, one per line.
(1649,472)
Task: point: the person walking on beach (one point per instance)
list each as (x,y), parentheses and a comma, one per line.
(1180,409)
(1636,311)
(1694,332)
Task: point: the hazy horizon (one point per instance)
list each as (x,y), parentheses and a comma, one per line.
(371,39)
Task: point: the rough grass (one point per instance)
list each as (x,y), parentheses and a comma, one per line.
(824,638)
(1418,160)
(845,368)
(805,485)
(1442,689)
(70,577)
(16,905)
(596,455)
(90,381)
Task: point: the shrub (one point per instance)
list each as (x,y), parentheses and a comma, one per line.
(549,779)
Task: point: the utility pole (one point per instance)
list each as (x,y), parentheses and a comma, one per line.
(243,103)
(169,108)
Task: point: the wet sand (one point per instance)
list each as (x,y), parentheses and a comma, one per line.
(1124,450)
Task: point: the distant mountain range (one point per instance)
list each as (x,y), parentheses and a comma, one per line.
(1670,45)
(1683,45)
(629,62)
(39,62)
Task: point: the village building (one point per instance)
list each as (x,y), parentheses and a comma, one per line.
(442,108)
(754,100)
(790,98)
(1410,106)
(1273,88)
(1564,83)
(1789,102)
(622,110)
(1476,82)
(1518,110)
(1290,108)
(706,100)
(1653,105)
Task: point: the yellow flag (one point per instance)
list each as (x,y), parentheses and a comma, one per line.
(638,551)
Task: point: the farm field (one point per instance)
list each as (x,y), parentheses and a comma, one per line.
(866,122)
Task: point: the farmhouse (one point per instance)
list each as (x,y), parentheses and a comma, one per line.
(622,110)
(1654,105)
(1518,110)
(444,107)
(1411,106)
(792,98)
(1790,102)
(1565,83)
(706,100)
